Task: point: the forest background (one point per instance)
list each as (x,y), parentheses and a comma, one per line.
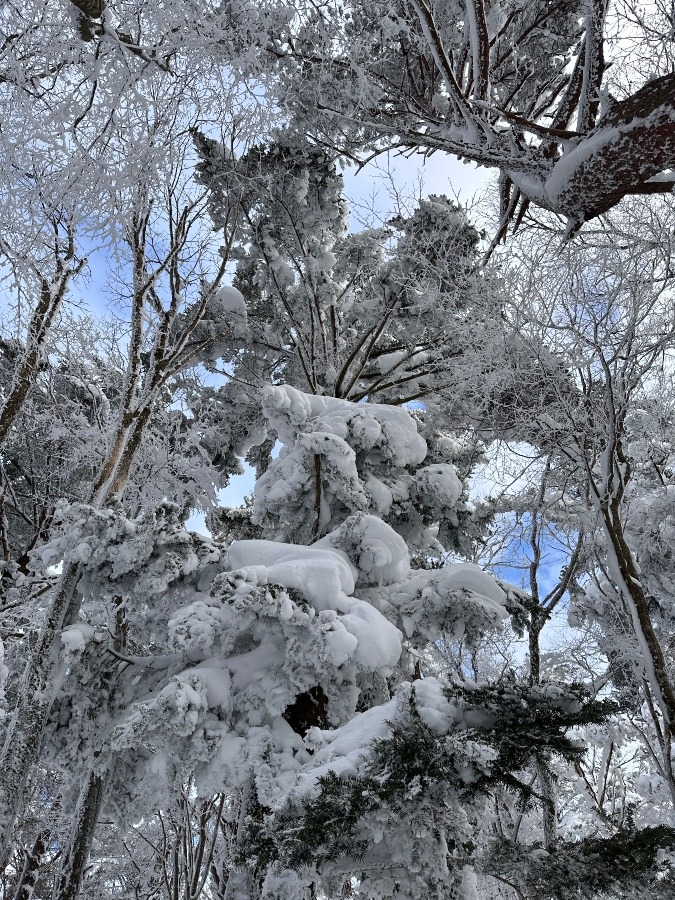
(459,421)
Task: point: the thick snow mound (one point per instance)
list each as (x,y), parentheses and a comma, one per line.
(379,553)
(433,707)
(368,425)
(344,750)
(441,482)
(229,306)
(324,576)
(340,458)
(353,629)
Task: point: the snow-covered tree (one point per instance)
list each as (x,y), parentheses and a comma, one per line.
(593,332)
(349,314)
(571,101)
(312,701)
(285,662)
(395,315)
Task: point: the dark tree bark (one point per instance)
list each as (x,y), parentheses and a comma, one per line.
(31,869)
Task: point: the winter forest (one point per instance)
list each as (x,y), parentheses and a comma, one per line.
(431,654)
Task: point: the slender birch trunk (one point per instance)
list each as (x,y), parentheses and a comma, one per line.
(52,294)
(25,733)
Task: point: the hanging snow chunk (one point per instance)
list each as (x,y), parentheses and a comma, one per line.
(442,483)
(389,430)
(338,458)
(324,577)
(230,305)
(353,630)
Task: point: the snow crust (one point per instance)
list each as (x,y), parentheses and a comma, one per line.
(325,576)
(388,428)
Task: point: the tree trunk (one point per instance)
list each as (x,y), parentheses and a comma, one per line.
(241,882)
(546,784)
(51,298)
(25,733)
(634,142)
(25,736)
(625,571)
(534,650)
(550,818)
(29,875)
(69,881)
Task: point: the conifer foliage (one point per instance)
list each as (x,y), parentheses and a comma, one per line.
(327,692)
